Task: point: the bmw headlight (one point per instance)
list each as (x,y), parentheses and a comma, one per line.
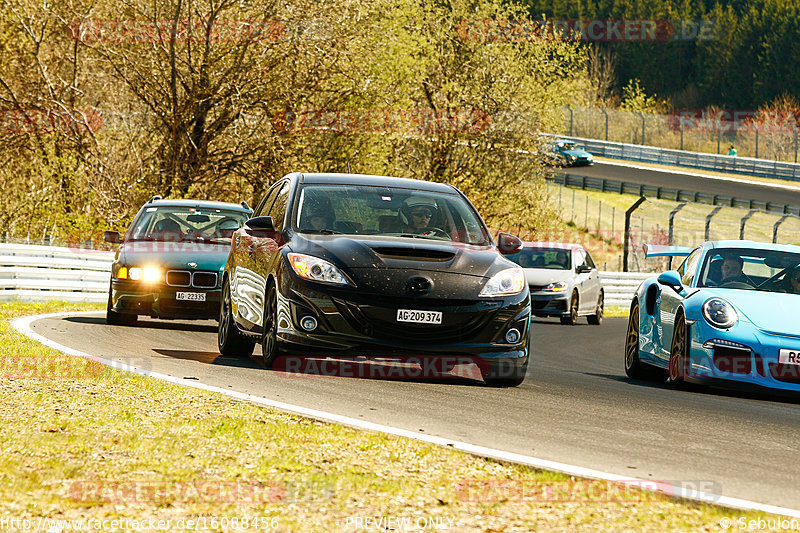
(558,286)
(316,269)
(719,313)
(505,283)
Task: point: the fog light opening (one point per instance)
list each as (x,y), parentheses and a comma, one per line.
(308,323)
(512,336)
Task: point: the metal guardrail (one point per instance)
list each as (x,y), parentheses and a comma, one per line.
(666,156)
(36,273)
(666,193)
(619,287)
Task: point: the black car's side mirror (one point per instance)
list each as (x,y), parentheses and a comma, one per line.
(508,244)
(260,224)
(111,236)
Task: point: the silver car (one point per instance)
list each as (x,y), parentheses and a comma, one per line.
(563,281)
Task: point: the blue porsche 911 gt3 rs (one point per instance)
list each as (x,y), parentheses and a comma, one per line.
(727,316)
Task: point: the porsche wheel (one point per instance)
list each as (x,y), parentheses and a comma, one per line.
(230,340)
(679,354)
(634,368)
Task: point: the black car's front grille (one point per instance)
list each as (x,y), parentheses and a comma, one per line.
(414,253)
(185,278)
(374,322)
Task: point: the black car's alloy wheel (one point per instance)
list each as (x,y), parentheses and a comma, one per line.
(572,318)
(118,319)
(230,340)
(634,368)
(269,340)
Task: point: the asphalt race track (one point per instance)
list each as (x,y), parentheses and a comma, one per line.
(760,191)
(576,405)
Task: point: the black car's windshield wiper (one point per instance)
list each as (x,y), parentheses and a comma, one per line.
(320,231)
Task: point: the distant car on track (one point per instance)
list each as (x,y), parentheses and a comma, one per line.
(726,316)
(568,154)
(563,281)
(344,265)
(169,263)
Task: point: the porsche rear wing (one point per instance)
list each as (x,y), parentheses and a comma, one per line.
(664,250)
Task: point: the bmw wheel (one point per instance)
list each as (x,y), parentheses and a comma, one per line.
(230,340)
(118,319)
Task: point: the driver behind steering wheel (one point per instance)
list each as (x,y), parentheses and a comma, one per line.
(416,214)
(732,271)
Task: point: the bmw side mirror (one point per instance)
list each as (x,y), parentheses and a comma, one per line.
(508,244)
(111,236)
(672,279)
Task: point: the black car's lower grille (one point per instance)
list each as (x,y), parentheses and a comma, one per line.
(361,320)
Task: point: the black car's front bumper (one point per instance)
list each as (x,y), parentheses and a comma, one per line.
(353,323)
(159,300)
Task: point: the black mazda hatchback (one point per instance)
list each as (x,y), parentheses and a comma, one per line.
(341,265)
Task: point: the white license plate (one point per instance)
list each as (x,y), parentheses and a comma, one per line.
(420,317)
(789,357)
(191,296)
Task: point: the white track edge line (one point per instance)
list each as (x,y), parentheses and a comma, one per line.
(606,161)
(23,325)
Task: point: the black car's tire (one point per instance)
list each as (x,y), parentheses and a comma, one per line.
(118,319)
(679,354)
(572,318)
(634,368)
(597,318)
(270,347)
(230,341)
(504,375)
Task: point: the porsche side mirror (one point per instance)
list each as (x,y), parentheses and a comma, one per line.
(111,236)
(508,244)
(671,279)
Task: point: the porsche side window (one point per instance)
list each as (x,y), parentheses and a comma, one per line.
(689,267)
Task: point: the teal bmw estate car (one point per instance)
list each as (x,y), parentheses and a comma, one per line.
(170,261)
(726,317)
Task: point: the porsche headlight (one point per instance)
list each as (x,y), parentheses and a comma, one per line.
(719,313)
(558,286)
(504,283)
(316,269)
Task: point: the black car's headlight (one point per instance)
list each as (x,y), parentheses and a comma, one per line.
(316,269)
(146,274)
(719,313)
(505,283)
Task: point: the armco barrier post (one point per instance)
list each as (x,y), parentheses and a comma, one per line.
(708,219)
(776,226)
(628,235)
(744,221)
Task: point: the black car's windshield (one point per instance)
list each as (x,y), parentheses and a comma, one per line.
(751,269)
(549,258)
(367,210)
(181,224)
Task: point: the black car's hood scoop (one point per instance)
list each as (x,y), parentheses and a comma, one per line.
(414,253)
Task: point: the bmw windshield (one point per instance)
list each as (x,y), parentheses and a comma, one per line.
(186,224)
(368,210)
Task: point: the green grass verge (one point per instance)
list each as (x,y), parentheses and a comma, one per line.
(106,445)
